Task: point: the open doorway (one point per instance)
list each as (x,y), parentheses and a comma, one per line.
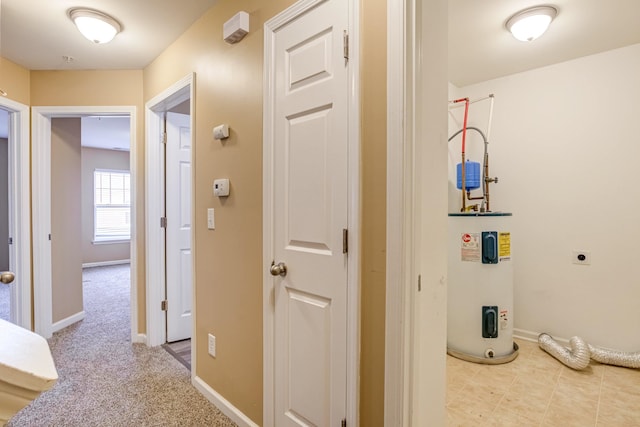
(47,320)
(169,196)
(90,206)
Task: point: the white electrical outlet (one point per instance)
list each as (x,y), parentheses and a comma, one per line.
(581,257)
(212,345)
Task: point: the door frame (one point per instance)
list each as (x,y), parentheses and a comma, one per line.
(174,95)
(416,310)
(353,221)
(400,205)
(41,201)
(20,221)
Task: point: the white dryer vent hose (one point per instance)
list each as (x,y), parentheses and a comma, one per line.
(580,353)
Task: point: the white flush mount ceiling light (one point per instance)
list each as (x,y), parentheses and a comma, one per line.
(95,26)
(529,24)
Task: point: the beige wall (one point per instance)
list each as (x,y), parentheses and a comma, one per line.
(14,80)
(92,159)
(374,178)
(103,88)
(4,204)
(228,275)
(66,248)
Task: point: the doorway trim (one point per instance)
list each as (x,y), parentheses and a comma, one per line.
(400,207)
(20,221)
(415,339)
(353,221)
(41,200)
(174,95)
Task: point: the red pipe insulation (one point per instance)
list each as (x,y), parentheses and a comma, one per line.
(464,139)
(464,123)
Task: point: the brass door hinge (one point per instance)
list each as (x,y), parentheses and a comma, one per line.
(164,305)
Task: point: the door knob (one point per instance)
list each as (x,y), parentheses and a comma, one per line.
(279,269)
(7,277)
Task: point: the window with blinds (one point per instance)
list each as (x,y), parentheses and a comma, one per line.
(112,204)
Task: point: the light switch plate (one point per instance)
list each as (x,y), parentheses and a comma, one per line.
(212,345)
(211,220)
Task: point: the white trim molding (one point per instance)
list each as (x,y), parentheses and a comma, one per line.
(20,210)
(415,334)
(354,203)
(67,321)
(155,108)
(106,263)
(41,202)
(401,268)
(236,415)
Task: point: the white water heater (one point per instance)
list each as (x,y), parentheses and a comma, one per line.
(480,288)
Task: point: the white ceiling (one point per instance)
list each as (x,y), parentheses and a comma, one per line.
(107,132)
(38,33)
(480,47)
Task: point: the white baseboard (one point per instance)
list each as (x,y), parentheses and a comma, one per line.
(523,334)
(67,322)
(139,338)
(223,404)
(105,263)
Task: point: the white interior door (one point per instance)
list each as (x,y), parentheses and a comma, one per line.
(178,213)
(310,199)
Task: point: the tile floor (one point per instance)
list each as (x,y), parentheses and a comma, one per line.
(537,390)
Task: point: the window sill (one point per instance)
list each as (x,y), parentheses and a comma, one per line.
(110,242)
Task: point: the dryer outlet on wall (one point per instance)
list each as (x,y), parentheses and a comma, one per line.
(581,257)
(221,187)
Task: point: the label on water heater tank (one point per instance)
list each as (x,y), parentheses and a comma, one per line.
(504,319)
(470,247)
(504,246)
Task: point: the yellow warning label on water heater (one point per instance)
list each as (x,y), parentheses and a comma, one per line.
(504,246)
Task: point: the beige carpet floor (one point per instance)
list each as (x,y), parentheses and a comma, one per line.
(105,380)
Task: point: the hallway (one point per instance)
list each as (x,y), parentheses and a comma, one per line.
(107,381)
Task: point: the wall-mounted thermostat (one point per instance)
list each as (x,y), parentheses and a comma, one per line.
(221,132)
(221,187)
(236,28)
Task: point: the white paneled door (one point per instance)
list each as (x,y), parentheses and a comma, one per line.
(178,241)
(310,199)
